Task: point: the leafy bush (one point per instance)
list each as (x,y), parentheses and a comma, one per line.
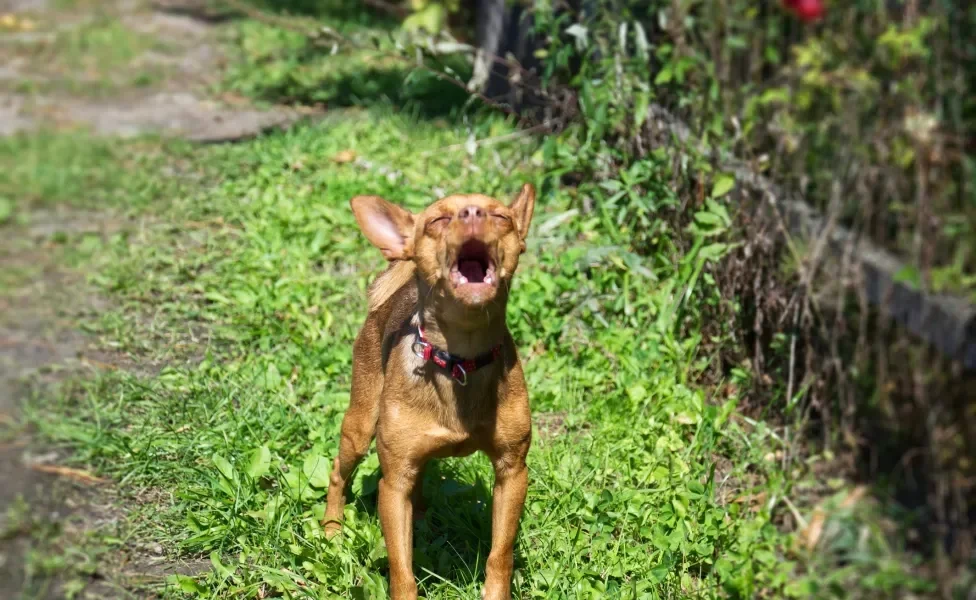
(868,116)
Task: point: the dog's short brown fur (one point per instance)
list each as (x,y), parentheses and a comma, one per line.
(418,411)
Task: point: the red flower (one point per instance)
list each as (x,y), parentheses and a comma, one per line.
(805,10)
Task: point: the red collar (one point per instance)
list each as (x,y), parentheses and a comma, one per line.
(457,366)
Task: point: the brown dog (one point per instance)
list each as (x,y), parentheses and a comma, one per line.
(435,370)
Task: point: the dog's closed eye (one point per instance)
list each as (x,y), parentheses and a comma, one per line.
(438,223)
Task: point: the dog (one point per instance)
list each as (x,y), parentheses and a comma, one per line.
(435,370)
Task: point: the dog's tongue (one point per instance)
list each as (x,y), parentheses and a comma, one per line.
(472,270)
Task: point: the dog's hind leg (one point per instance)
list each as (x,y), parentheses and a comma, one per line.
(358,428)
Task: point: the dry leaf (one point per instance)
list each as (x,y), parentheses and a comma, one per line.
(814,530)
(854,496)
(99,364)
(76,474)
(811,535)
(752,501)
(346,156)
(234,99)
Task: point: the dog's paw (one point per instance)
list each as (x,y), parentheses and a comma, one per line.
(495,592)
(332,528)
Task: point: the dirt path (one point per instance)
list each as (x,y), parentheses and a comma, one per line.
(30,341)
(121,68)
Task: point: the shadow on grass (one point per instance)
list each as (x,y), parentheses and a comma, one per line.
(453,541)
(422,95)
(330,11)
(910,467)
(279,66)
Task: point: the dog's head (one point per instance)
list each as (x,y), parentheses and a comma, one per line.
(465,247)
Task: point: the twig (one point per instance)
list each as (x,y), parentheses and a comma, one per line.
(789,385)
(76,474)
(490,141)
(392,175)
(99,364)
(796,513)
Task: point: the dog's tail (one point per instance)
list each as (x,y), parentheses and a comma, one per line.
(391,281)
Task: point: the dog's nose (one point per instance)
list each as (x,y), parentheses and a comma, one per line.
(472,220)
(471,213)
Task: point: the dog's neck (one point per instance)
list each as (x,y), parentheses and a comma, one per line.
(462,331)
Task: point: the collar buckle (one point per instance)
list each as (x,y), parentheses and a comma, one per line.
(459,374)
(422,348)
(454,365)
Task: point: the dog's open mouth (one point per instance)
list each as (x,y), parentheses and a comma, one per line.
(473,265)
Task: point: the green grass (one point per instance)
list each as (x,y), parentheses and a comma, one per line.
(251,290)
(243,280)
(47,169)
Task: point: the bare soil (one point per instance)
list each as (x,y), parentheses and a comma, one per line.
(42,88)
(165,89)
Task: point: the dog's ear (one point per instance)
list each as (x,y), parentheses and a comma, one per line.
(387,226)
(522,207)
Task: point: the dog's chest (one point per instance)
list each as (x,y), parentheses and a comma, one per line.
(459,418)
(466,409)
(446,432)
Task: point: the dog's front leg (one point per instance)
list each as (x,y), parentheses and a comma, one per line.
(508,498)
(396,510)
